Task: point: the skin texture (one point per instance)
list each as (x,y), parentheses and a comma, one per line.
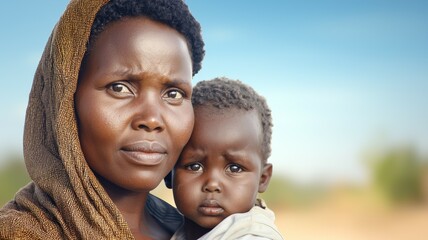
(220,170)
(134,113)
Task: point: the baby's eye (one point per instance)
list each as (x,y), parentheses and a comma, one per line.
(234,168)
(119,88)
(195,167)
(174,96)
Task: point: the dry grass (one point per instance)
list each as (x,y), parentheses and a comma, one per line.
(354,221)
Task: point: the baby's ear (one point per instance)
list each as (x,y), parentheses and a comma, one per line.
(265,177)
(168,180)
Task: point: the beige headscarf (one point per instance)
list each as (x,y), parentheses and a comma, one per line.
(65,200)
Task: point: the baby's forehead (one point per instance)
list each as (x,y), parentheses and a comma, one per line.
(230,123)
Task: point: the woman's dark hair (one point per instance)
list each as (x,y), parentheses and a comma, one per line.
(173,13)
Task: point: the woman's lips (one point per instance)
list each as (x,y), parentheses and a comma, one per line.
(210,207)
(144,153)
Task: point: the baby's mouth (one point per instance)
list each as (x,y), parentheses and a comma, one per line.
(210,207)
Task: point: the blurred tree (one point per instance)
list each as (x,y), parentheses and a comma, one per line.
(13,176)
(283,193)
(397,175)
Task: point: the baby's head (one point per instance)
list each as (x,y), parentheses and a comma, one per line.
(223,95)
(224,165)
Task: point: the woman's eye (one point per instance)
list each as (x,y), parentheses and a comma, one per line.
(234,168)
(174,96)
(195,167)
(119,88)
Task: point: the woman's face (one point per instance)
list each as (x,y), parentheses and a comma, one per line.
(133,103)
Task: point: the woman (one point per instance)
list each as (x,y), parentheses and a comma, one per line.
(109,113)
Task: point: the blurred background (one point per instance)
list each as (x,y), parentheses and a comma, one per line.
(347,82)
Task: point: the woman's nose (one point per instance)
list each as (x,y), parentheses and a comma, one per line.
(148,117)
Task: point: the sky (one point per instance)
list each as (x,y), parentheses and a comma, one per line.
(341,76)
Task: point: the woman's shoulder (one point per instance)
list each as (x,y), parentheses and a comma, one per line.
(22,219)
(167,216)
(16,224)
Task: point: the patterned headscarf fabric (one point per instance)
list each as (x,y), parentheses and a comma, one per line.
(64,199)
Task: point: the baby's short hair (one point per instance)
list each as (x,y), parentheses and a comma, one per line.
(173,13)
(224,93)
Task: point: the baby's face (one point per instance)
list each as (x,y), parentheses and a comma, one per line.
(133,103)
(220,171)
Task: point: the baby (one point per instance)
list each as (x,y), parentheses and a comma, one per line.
(224,165)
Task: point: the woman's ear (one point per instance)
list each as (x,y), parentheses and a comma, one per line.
(265,177)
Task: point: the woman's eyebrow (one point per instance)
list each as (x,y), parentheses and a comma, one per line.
(130,73)
(123,70)
(177,81)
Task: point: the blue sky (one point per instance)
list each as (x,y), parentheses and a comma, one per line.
(341,76)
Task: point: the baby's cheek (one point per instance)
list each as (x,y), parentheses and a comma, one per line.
(180,184)
(185,188)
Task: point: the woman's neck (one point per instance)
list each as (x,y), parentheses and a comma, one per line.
(132,204)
